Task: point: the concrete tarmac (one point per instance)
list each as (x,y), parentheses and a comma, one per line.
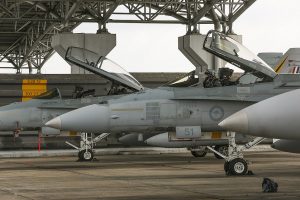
(137,177)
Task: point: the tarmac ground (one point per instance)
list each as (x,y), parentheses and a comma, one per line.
(174,176)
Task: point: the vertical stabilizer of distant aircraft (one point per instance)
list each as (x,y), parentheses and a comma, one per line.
(271,58)
(289,63)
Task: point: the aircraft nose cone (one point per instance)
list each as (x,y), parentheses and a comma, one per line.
(54,123)
(93,118)
(237,122)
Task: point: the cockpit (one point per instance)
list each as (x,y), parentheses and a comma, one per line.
(234,53)
(193,79)
(188,80)
(238,55)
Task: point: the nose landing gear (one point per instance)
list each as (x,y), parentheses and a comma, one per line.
(235,164)
(86,149)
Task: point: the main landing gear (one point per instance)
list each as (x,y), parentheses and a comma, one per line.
(87,143)
(235,164)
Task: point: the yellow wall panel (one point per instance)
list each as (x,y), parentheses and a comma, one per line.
(32,88)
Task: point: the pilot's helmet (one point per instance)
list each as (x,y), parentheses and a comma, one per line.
(208,72)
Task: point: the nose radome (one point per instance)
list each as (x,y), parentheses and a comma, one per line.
(237,122)
(54,123)
(93,118)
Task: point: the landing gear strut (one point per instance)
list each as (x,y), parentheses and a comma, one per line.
(86,149)
(235,164)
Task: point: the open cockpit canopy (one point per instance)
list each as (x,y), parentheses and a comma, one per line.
(235,53)
(102,66)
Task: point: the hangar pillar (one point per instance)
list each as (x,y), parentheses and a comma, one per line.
(192,48)
(101,43)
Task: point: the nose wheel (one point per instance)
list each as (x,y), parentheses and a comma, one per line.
(86,155)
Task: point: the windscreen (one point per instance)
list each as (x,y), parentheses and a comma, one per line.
(113,68)
(51,94)
(102,66)
(235,53)
(189,79)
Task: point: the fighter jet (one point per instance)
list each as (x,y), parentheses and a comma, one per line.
(33,114)
(219,140)
(187,111)
(50,104)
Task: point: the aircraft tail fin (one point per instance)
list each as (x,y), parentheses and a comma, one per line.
(289,62)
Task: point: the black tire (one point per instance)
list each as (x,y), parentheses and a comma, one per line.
(199,154)
(84,155)
(226,167)
(80,155)
(237,167)
(223,149)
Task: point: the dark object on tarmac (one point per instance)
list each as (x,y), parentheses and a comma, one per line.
(250,173)
(269,185)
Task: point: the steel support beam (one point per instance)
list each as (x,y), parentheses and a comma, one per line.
(203,11)
(25,37)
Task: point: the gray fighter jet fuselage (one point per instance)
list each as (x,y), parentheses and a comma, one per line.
(33,114)
(183,109)
(165,108)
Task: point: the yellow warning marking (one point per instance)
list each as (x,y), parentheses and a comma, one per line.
(32,93)
(216,135)
(32,88)
(34,81)
(38,86)
(278,67)
(72,133)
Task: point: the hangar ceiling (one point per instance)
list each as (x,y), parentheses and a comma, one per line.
(26,27)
